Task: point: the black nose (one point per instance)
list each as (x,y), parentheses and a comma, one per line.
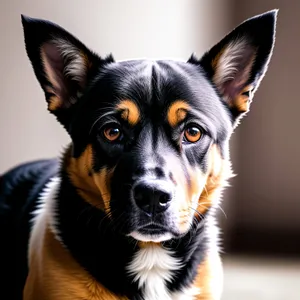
(151,199)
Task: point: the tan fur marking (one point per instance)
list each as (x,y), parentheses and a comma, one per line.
(219,172)
(177,112)
(209,278)
(198,195)
(54,103)
(242,102)
(197,178)
(93,187)
(147,244)
(185,198)
(197,184)
(54,274)
(102,180)
(129,111)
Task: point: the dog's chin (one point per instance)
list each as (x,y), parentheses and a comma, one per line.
(152,232)
(151,237)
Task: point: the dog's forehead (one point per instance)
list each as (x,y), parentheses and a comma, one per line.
(161,80)
(155,85)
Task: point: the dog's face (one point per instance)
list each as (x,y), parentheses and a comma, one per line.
(150,138)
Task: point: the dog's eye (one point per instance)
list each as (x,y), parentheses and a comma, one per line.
(192,134)
(112,133)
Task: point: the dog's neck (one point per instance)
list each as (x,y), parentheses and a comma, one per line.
(89,235)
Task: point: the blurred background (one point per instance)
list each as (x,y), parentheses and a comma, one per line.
(261,230)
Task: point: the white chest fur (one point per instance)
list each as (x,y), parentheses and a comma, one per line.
(152,267)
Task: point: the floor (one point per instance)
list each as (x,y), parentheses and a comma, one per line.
(248,278)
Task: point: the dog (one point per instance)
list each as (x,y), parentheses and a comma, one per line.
(129,210)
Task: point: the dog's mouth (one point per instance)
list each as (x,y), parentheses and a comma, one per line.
(153,232)
(153,229)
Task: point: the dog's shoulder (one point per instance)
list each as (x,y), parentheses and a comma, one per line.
(20,188)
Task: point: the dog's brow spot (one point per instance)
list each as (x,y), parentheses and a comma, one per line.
(129,111)
(177,112)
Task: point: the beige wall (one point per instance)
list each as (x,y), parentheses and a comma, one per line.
(268,194)
(129,29)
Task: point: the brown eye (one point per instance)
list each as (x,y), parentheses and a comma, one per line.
(112,133)
(192,134)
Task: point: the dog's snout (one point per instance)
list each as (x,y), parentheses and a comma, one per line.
(151,199)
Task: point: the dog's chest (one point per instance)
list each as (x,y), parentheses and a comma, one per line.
(152,268)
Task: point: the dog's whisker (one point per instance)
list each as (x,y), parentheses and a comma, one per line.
(215,204)
(198,213)
(106,217)
(205,188)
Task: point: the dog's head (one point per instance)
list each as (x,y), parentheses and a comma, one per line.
(150,138)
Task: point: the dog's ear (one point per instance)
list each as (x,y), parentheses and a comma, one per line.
(238,62)
(62,64)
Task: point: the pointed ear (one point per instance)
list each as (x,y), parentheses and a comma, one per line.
(237,64)
(62,64)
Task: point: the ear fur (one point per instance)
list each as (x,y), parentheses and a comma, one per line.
(62,64)
(237,64)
